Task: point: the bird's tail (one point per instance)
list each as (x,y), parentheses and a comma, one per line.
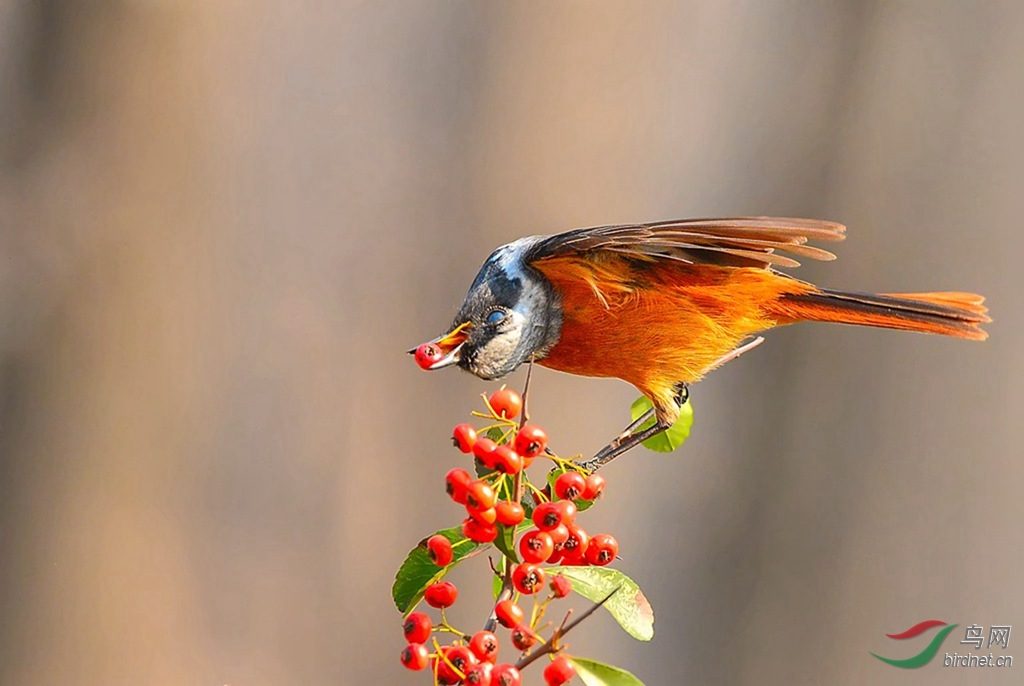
(949,314)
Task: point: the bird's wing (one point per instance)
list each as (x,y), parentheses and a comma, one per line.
(734,242)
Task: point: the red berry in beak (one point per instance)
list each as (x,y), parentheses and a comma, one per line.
(427,355)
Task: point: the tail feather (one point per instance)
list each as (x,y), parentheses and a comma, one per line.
(948,314)
(971,302)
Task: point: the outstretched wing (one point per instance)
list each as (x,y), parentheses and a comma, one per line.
(734,242)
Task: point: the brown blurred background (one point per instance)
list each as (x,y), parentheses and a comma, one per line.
(223,223)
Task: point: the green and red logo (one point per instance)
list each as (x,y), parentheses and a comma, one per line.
(925,656)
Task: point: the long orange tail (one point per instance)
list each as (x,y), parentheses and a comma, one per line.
(948,314)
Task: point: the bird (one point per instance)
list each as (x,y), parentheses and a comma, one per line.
(659,305)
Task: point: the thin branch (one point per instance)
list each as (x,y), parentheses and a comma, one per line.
(552,645)
(506,578)
(729,357)
(525,416)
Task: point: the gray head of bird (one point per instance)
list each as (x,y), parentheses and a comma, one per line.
(510,313)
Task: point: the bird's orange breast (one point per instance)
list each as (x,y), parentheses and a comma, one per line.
(655,323)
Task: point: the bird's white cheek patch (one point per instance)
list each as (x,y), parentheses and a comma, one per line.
(496,353)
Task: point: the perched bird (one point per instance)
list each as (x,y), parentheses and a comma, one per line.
(658,305)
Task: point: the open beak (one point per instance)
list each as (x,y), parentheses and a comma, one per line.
(449,345)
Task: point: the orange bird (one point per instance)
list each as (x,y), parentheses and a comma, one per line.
(659,305)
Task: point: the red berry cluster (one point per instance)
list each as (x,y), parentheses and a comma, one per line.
(498,499)
(557,538)
(474,659)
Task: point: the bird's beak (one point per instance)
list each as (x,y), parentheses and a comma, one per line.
(450,344)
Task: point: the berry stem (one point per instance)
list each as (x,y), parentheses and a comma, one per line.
(444,626)
(540,497)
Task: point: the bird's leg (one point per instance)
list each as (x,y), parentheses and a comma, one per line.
(629,439)
(623,443)
(625,435)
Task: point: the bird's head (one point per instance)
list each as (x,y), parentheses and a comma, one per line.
(510,313)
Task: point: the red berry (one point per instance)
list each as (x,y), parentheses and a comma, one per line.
(441,594)
(480,496)
(594,488)
(488,516)
(536,546)
(576,544)
(510,512)
(560,586)
(570,485)
(483,450)
(507,461)
(446,668)
(531,441)
(446,673)
(456,481)
(568,509)
(523,637)
(417,628)
(478,532)
(559,672)
(556,555)
(462,657)
(439,549)
(603,549)
(547,516)
(508,613)
(427,355)
(464,437)
(505,675)
(575,559)
(559,535)
(454,658)
(528,578)
(484,645)
(415,656)
(479,674)
(506,403)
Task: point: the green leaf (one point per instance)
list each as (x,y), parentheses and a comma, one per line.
(496,584)
(628,606)
(417,571)
(529,503)
(594,673)
(480,469)
(506,542)
(668,440)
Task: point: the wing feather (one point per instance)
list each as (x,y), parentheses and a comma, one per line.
(739,242)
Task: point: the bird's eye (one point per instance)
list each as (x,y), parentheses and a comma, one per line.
(495,316)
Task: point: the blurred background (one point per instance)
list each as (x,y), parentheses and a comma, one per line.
(222,225)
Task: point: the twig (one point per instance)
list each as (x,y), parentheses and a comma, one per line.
(506,578)
(552,645)
(517,491)
(525,416)
(729,357)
